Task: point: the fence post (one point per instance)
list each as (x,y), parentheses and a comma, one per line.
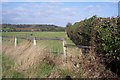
(1,43)
(34,42)
(64,51)
(15,42)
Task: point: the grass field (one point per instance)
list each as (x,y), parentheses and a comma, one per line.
(54,46)
(27,51)
(46,59)
(38,34)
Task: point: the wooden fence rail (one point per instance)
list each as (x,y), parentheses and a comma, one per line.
(65,44)
(36,38)
(79,46)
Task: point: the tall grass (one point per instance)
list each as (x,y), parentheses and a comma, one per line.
(8,68)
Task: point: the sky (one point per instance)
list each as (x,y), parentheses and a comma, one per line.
(57,13)
(60,0)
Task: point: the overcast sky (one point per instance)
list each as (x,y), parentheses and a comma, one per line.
(58,13)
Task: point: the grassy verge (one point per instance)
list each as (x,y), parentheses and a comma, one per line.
(44,70)
(8,68)
(64,72)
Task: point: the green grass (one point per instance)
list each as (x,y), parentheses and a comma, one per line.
(44,70)
(11,41)
(14,74)
(0,65)
(7,68)
(38,34)
(54,46)
(7,63)
(35,34)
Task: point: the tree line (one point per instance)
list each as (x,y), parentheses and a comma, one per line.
(30,27)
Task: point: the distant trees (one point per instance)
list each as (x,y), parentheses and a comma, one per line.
(30,27)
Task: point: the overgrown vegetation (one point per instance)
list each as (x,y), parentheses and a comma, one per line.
(8,68)
(29,61)
(44,70)
(101,33)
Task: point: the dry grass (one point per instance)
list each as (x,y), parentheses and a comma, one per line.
(27,56)
(86,66)
(32,60)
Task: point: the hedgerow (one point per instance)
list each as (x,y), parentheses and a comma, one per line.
(101,33)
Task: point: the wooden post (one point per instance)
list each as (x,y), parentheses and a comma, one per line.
(34,42)
(0,40)
(15,42)
(64,51)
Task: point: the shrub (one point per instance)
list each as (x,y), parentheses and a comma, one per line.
(101,33)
